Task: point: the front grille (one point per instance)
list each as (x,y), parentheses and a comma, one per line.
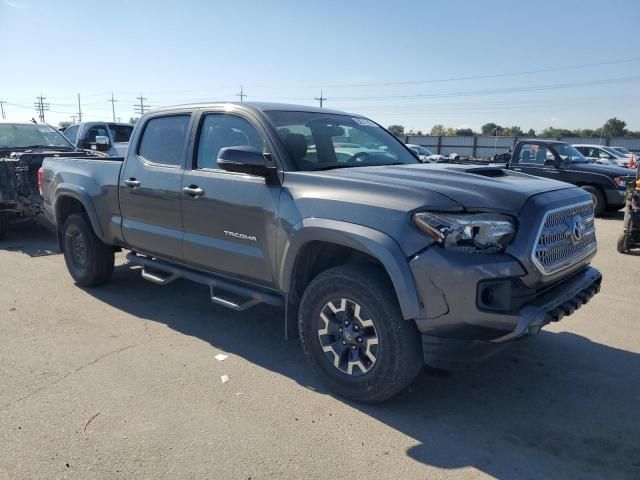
(567,235)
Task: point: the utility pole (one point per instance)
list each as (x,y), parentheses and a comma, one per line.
(2,102)
(41,106)
(241,94)
(113,106)
(321,99)
(139,109)
(79,110)
(73,118)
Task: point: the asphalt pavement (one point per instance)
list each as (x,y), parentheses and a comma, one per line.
(122,382)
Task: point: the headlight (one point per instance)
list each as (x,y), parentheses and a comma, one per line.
(468,233)
(621,182)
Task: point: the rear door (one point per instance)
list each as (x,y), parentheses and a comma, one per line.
(231,226)
(151,187)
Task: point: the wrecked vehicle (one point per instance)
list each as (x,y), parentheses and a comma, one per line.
(380,262)
(23,147)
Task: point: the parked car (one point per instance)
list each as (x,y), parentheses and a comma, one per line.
(23,146)
(425,155)
(603,154)
(380,262)
(109,137)
(633,158)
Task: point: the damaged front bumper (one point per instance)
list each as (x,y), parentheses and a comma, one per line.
(474,304)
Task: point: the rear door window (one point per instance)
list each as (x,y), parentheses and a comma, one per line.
(164,140)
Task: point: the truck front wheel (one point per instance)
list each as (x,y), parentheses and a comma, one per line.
(88,259)
(353,334)
(599,202)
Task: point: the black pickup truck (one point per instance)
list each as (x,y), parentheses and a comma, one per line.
(606,184)
(380,262)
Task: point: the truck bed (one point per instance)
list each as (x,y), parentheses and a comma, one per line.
(99,178)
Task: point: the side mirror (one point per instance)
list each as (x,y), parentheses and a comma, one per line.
(101,144)
(244,159)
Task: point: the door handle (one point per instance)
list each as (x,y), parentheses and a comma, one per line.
(132,183)
(193,191)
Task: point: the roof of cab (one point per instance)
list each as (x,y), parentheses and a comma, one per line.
(256,106)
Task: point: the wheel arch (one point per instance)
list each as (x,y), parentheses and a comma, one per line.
(71,199)
(341,242)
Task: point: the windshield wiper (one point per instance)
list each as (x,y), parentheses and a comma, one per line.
(49,147)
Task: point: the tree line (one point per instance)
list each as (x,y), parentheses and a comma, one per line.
(613,127)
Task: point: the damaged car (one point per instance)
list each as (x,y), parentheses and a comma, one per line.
(23,147)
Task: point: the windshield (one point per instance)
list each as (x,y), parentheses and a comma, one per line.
(613,152)
(321,141)
(420,150)
(120,133)
(17,135)
(622,150)
(568,153)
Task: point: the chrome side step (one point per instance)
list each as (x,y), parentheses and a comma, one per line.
(152,270)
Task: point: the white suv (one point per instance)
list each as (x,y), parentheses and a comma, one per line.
(604,154)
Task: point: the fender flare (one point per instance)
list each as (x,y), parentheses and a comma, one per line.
(364,239)
(81,195)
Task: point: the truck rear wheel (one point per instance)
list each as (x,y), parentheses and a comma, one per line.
(599,202)
(622,244)
(88,259)
(353,334)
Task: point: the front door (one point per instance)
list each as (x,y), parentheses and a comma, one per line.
(229,218)
(151,188)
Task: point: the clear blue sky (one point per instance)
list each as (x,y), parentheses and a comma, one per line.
(182,51)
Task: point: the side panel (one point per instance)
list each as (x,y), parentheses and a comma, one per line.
(369,241)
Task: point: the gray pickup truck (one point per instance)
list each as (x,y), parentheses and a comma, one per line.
(109,137)
(381,263)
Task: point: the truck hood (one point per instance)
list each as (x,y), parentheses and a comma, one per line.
(472,187)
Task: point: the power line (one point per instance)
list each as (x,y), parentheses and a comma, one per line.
(495,91)
(113,106)
(139,108)
(321,99)
(491,75)
(241,94)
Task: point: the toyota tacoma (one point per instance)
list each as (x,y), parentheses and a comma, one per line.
(381,263)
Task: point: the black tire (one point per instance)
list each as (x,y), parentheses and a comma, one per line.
(623,245)
(599,202)
(4,224)
(88,259)
(397,348)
